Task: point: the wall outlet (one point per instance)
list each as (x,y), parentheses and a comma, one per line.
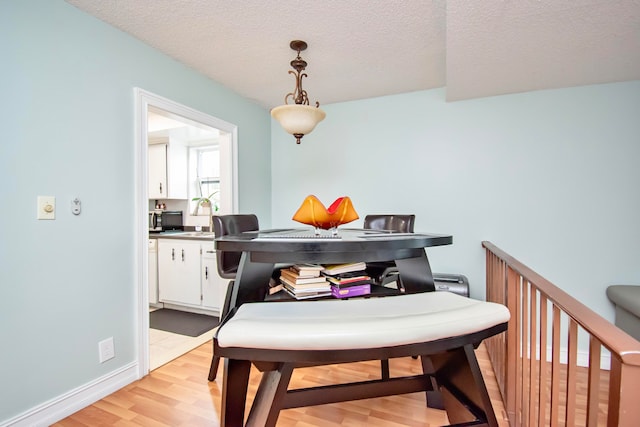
(106,350)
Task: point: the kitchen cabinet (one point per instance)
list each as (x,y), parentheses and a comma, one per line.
(167,169)
(188,274)
(153,272)
(179,272)
(157,171)
(213,286)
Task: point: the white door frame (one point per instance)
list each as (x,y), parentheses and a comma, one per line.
(228,156)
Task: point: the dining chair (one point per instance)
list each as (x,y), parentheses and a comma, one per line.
(386,272)
(228,262)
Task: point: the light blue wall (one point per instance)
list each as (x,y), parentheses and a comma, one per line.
(67,109)
(551,177)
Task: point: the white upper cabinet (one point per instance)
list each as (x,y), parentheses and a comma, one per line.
(158,171)
(167,169)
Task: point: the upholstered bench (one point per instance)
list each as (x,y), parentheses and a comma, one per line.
(627,302)
(441,327)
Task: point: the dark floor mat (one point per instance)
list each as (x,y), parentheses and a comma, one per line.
(182,322)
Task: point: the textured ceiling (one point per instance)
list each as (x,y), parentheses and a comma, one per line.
(366,48)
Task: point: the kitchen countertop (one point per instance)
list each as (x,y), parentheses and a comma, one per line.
(184,235)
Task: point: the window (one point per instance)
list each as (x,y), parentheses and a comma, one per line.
(205,182)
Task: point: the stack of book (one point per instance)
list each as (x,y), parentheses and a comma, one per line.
(304,281)
(348,280)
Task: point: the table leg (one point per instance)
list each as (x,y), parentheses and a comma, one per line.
(416,274)
(252,281)
(417,277)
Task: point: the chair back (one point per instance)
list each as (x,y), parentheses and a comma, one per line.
(231,224)
(399,223)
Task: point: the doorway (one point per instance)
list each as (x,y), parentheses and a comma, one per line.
(158,117)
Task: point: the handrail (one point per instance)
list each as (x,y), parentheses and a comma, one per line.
(614,339)
(528,363)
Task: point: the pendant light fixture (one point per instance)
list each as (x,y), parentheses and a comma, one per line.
(299,118)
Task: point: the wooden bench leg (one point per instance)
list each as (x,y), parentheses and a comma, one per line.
(270,397)
(464,393)
(384,369)
(234,392)
(434,397)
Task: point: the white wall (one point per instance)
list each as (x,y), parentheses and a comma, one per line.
(551,177)
(67,82)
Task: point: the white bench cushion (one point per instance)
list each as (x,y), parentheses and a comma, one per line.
(358,323)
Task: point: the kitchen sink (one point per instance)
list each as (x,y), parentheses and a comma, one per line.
(202,234)
(187,235)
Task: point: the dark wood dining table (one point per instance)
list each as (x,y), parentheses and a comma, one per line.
(263,250)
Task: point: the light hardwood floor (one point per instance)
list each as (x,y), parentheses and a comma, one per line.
(178,394)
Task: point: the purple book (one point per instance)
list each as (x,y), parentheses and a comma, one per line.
(351,291)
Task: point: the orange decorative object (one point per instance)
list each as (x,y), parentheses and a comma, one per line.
(313,212)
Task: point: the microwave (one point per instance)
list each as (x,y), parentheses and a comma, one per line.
(165,221)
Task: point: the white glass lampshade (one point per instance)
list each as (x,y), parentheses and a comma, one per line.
(298,118)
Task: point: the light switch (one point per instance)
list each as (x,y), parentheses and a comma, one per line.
(46,207)
(76,206)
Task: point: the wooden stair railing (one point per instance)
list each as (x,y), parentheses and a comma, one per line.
(536,361)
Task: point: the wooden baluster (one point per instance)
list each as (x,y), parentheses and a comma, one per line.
(525,394)
(555,367)
(534,363)
(543,398)
(512,346)
(572,364)
(593,388)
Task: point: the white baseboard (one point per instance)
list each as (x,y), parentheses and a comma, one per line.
(68,403)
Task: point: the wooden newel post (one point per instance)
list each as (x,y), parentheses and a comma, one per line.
(624,387)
